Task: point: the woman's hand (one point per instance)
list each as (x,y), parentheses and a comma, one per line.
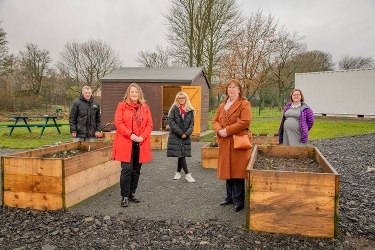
(183,136)
(223,132)
(135,138)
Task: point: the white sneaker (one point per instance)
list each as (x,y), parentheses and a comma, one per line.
(177,176)
(189,178)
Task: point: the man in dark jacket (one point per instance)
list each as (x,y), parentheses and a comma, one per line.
(84,118)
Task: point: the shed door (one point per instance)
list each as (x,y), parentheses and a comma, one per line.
(195,94)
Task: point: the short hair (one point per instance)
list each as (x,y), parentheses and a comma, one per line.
(141,98)
(86,87)
(294,90)
(237,83)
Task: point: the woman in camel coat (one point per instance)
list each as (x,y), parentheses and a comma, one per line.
(233,116)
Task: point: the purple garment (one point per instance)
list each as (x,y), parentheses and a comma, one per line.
(306,122)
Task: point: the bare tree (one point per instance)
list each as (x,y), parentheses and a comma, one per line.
(249,51)
(198,30)
(159,59)
(4,57)
(85,63)
(315,61)
(355,62)
(285,62)
(34,67)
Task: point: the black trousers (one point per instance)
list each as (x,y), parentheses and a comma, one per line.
(130,172)
(236,191)
(182,165)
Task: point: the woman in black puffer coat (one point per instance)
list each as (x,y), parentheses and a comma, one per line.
(181,126)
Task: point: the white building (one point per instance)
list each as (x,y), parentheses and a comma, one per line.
(349,93)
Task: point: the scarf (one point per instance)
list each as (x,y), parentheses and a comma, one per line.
(137,116)
(182,111)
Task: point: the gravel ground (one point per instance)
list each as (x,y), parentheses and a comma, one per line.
(180,215)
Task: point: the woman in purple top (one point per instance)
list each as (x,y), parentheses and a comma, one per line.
(297,120)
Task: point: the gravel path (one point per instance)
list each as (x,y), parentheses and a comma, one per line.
(180,215)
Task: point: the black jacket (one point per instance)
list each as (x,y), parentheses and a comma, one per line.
(84,117)
(178,147)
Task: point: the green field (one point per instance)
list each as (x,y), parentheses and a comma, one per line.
(266,123)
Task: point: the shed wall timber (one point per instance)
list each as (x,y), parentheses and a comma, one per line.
(113,93)
(200,80)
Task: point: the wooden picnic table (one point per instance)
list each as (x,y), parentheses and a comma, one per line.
(27,125)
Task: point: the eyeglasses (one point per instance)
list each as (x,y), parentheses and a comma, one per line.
(181,98)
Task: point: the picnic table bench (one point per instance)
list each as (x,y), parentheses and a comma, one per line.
(27,125)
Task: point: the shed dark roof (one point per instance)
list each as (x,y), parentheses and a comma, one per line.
(141,74)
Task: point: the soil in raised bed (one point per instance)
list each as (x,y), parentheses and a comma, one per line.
(295,164)
(66,154)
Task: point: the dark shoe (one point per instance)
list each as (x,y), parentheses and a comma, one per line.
(226,202)
(124,201)
(132,198)
(238,208)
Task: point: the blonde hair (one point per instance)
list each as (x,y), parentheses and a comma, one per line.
(141,98)
(187,105)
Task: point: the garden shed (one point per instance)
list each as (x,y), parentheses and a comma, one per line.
(160,86)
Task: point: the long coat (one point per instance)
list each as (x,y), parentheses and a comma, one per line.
(177,146)
(232,162)
(122,145)
(84,117)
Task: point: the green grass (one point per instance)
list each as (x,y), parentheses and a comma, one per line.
(322,129)
(22,139)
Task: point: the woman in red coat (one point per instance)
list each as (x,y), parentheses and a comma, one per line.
(233,116)
(132,144)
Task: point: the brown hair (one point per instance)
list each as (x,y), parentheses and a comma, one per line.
(294,90)
(141,98)
(237,83)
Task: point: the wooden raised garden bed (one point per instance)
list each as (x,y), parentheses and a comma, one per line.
(265,139)
(295,202)
(209,153)
(32,181)
(159,139)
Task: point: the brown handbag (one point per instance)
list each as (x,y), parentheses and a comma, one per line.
(241,142)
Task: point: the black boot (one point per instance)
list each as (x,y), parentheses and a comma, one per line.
(132,198)
(124,201)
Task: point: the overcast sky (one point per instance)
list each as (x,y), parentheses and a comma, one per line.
(340,27)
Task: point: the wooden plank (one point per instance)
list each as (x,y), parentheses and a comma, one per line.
(303,225)
(32,166)
(110,136)
(265,140)
(84,178)
(87,160)
(292,182)
(46,150)
(322,161)
(209,156)
(33,184)
(286,204)
(286,151)
(91,189)
(35,201)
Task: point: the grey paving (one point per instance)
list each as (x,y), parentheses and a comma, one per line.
(165,198)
